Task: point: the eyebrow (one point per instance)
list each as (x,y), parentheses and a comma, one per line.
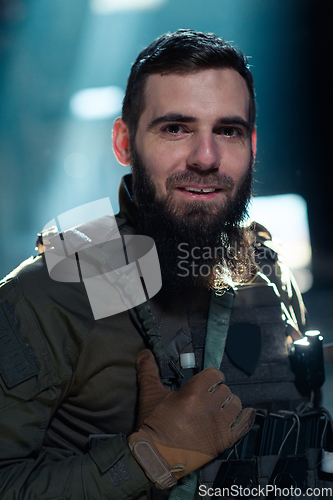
(234,120)
(177,117)
(172,117)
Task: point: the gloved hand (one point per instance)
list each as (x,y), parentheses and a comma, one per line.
(181,431)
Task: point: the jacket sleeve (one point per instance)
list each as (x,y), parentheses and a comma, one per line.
(31,389)
(108,471)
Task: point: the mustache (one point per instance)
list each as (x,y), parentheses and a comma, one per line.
(220,181)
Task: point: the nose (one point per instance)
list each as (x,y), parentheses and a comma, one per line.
(204,154)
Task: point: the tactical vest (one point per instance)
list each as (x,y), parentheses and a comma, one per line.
(259,328)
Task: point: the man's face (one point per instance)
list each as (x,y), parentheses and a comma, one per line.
(193,137)
(192,171)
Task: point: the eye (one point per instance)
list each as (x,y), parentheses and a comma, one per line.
(174,129)
(231,131)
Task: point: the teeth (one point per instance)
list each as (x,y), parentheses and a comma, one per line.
(201,190)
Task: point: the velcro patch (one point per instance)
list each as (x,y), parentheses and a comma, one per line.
(119,472)
(16,360)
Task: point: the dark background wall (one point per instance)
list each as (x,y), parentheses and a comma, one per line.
(50,50)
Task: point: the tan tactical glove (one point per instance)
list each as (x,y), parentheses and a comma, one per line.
(181,431)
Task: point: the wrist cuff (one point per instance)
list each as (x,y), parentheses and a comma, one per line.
(154,466)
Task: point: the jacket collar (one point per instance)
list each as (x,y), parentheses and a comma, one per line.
(127,206)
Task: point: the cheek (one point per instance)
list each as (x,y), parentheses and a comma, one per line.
(161,164)
(237,166)
(157,172)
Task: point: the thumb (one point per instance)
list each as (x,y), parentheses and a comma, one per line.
(152,392)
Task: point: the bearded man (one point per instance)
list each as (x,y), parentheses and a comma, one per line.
(74,424)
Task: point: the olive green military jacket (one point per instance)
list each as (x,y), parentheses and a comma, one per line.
(66,379)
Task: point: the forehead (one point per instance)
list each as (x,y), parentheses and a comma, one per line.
(210,93)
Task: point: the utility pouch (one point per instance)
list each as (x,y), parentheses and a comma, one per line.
(289,473)
(307,361)
(237,472)
(282,452)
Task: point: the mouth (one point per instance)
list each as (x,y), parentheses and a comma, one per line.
(199,192)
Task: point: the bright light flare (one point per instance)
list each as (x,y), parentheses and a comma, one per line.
(108,6)
(286,218)
(97,103)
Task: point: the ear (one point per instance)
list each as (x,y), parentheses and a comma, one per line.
(121,142)
(254,142)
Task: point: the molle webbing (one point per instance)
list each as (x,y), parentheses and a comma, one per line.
(259,304)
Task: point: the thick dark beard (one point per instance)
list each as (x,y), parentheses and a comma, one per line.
(198,244)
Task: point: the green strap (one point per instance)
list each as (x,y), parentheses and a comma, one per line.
(185,488)
(217,329)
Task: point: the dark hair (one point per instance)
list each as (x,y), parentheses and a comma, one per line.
(184,51)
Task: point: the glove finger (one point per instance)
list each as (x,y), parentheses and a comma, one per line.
(242,423)
(230,409)
(145,362)
(238,423)
(232,404)
(152,392)
(214,374)
(203,383)
(221,393)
